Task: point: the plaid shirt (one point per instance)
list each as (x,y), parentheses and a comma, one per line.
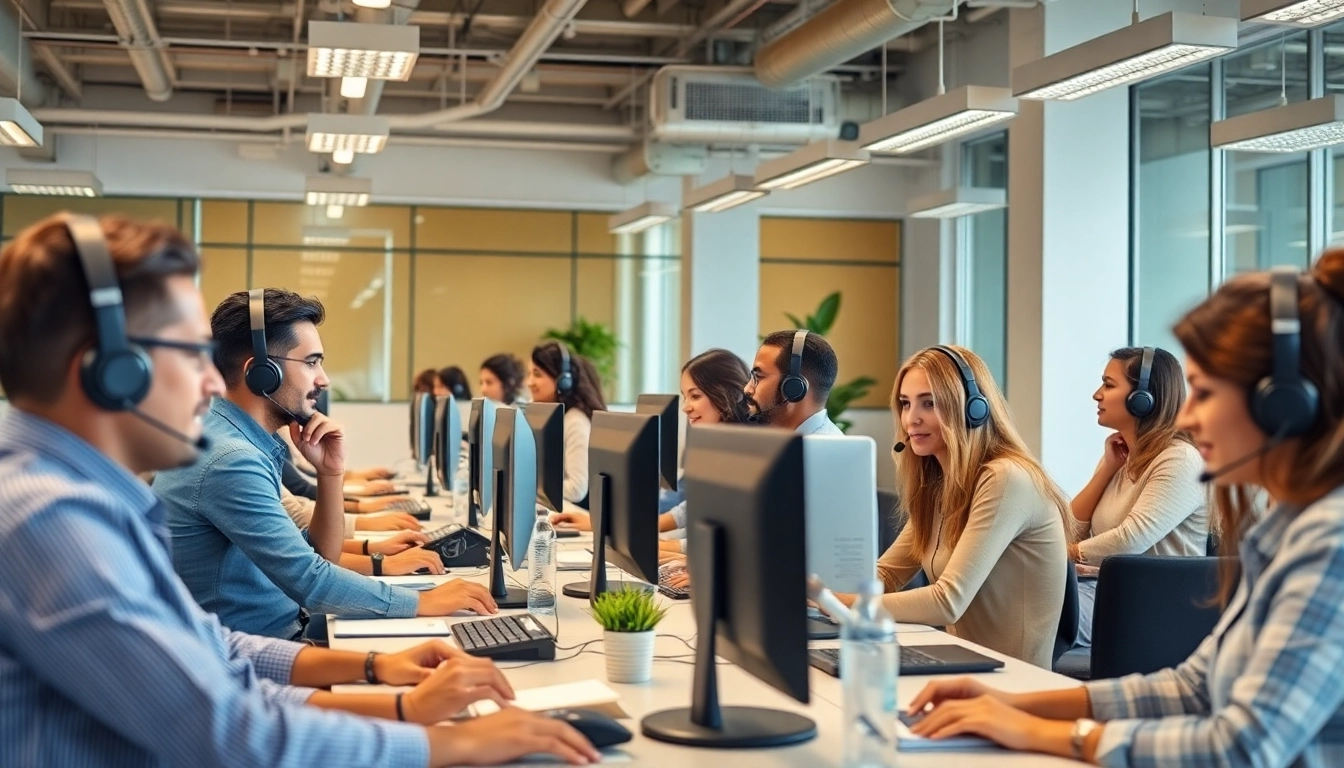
(1267,687)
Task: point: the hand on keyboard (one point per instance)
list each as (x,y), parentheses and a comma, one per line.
(506,736)
(456,595)
(413,560)
(461,680)
(398,542)
(387,521)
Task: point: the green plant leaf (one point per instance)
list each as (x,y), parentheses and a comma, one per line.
(844,394)
(794,321)
(827,311)
(627,610)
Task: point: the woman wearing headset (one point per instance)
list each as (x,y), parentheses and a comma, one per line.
(1266,688)
(501,378)
(984,521)
(1145,496)
(556,376)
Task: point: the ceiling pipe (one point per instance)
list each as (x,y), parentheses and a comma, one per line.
(841,31)
(396,141)
(138,35)
(16,62)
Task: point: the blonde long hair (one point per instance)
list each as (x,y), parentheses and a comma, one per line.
(925,489)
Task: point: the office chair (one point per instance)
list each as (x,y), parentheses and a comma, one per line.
(1151,612)
(1067,632)
(890,523)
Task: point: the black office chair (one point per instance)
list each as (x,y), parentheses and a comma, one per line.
(1211,545)
(890,523)
(1151,612)
(1067,632)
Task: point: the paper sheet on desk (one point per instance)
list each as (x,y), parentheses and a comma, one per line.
(912,628)
(608,756)
(584,694)
(907,741)
(417,627)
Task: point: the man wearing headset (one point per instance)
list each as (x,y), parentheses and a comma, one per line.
(105,354)
(790,380)
(234,545)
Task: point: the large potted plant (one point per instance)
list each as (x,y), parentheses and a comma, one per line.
(594,341)
(628,617)
(841,394)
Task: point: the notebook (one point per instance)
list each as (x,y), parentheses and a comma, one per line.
(907,741)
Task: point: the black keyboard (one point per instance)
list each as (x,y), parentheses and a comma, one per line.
(417,508)
(459,547)
(917,660)
(506,638)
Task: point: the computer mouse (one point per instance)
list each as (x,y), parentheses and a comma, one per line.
(565,532)
(599,729)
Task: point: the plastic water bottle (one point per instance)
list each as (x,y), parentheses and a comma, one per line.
(541,567)
(869,664)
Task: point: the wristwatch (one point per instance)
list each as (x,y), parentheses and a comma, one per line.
(377,558)
(1081,728)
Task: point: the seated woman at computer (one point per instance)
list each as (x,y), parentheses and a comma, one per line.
(1145,497)
(711,393)
(501,379)
(452,382)
(559,376)
(1266,688)
(985,522)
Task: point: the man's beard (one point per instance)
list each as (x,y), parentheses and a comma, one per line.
(763,416)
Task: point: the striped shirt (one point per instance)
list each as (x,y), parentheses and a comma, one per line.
(1266,688)
(237,549)
(105,659)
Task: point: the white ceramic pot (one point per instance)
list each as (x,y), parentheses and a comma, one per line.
(629,656)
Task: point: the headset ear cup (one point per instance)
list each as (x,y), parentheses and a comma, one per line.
(977,411)
(1140,403)
(1287,410)
(116,381)
(793,388)
(264,378)
(564,383)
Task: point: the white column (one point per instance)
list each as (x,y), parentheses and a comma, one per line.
(721,281)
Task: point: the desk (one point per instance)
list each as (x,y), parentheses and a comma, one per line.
(672,678)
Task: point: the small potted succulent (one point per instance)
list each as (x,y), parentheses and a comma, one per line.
(628,617)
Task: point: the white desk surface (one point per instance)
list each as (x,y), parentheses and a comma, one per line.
(671,683)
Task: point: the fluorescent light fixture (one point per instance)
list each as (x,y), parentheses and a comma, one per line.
(337,190)
(728,192)
(354,87)
(939,119)
(355,133)
(957,202)
(640,218)
(1298,127)
(343,156)
(335,211)
(326,236)
(1296,13)
(1128,55)
(811,163)
(373,3)
(350,49)
(18,128)
(66,183)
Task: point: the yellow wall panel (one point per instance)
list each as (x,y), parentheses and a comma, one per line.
(867,331)
(593,236)
(480,229)
(224,221)
(22,211)
(831,240)
(468,308)
(283,223)
(223,271)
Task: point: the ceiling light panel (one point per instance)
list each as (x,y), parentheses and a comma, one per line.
(814,162)
(957,202)
(640,218)
(1128,55)
(347,133)
(722,194)
(351,49)
(1296,13)
(939,119)
(1297,127)
(337,191)
(63,183)
(18,127)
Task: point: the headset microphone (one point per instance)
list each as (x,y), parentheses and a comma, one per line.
(898,447)
(201,443)
(302,421)
(1208,476)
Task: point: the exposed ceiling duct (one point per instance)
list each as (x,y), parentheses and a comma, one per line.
(16,61)
(841,31)
(140,38)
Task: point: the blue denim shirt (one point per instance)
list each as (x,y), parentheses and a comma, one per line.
(237,550)
(104,657)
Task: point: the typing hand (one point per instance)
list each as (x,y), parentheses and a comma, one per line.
(411,561)
(578,520)
(387,521)
(380,503)
(506,736)
(952,689)
(373,473)
(667,556)
(399,542)
(456,595)
(322,442)
(987,717)
(457,683)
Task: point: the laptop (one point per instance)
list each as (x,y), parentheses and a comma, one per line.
(918,660)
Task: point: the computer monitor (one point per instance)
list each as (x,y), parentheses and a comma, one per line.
(667,408)
(547,421)
(324,402)
(447,439)
(515,483)
(840,503)
(422,424)
(623,499)
(480,428)
(740,483)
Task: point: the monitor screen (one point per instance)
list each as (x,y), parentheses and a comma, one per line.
(668,410)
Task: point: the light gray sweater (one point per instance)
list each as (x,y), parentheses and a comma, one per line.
(1164,512)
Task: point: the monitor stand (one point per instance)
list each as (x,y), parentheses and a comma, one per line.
(504,595)
(705,723)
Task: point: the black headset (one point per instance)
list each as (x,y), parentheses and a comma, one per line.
(793,388)
(1284,403)
(263,375)
(564,383)
(1140,403)
(114,373)
(977,407)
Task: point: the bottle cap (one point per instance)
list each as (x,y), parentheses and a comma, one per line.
(870,588)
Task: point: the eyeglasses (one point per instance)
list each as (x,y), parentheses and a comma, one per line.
(204,351)
(755,376)
(312,362)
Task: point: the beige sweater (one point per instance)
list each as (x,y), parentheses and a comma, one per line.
(1164,513)
(1002,586)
